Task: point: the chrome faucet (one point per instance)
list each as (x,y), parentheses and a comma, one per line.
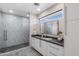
(42,35)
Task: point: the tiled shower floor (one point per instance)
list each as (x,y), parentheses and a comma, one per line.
(26,51)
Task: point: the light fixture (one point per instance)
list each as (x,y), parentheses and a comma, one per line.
(38,9)
(37,6)
(11,11)
(27,15)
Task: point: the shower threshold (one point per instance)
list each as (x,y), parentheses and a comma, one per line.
(11,48)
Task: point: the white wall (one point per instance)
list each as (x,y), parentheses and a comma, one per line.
(34,26)
(72,10)
(72,37)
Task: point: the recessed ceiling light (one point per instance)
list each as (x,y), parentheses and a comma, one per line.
(27,15)
(38,9)
(11,11)
(37,5)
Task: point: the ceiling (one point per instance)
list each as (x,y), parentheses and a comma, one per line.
(24,8)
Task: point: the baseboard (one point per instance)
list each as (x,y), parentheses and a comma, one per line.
(15,47)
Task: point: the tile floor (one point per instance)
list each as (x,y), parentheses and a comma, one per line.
(26,51)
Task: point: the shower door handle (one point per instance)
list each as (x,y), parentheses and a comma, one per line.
(5,35)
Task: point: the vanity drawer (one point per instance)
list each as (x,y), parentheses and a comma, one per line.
(44,47)
(57,50)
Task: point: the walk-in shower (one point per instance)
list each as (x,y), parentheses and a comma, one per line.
(14,31)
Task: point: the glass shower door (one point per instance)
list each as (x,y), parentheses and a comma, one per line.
(16,30)
(2,32)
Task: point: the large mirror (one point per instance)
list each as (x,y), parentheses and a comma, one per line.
(50,24)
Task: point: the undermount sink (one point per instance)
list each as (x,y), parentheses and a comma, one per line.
(43,38)
(47,38)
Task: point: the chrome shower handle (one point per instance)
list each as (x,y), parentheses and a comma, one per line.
(5,35)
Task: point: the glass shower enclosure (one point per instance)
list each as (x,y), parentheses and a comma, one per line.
(14,30)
